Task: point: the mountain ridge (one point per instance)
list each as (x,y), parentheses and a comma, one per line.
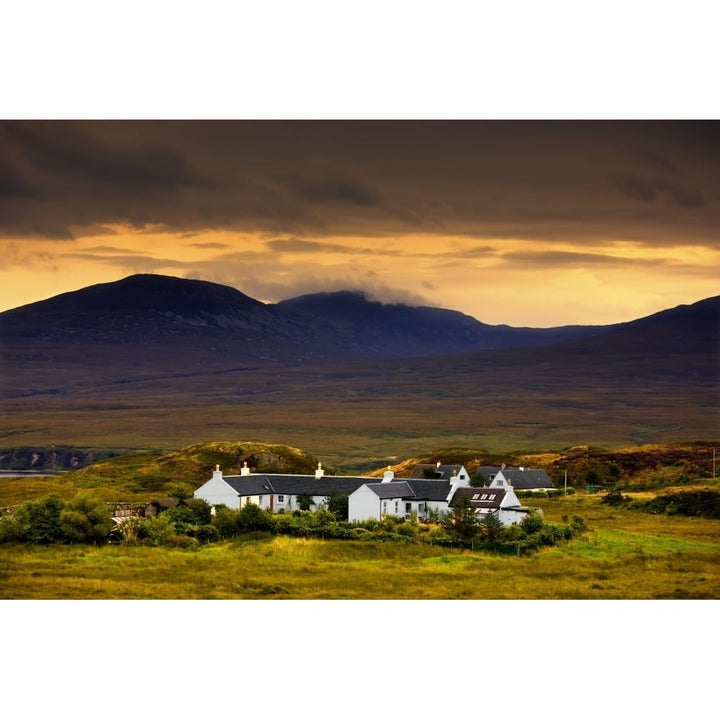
(161,309)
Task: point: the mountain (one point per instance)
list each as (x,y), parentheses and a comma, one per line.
(153,362)
(369,328)
(192,317)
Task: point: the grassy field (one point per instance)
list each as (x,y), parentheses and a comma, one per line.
(625,555)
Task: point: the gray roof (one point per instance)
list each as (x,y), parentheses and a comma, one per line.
(388,490)
(526,479)
(430,489)
(269,484)
(443,471)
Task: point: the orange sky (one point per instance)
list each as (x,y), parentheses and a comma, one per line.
(523,223)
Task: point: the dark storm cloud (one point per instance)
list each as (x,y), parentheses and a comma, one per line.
(68,148)
(652,181)
(651,190)
(325,184)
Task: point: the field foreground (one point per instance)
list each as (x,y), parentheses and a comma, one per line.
(624,555)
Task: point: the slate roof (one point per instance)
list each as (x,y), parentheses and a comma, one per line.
(269,484)
(527,479)
(389,490)
(430,489)
(444,471)
(480,498)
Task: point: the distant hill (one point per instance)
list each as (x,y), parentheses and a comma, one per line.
(367,327)
(151,474)
(151,361)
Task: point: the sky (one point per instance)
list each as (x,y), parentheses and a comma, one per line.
(521,222)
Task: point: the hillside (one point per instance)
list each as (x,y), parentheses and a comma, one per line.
(651,380)
(640,467)
(147,475)
(140,477)
(156,326)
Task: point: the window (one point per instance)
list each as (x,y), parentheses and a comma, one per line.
(475,496)
(484,496)
(396,506)
(281,498)
(408,507)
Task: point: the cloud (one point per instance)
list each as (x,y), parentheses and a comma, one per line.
(208,245)
(68,148)
(326,182)
(556,258)
(550,181)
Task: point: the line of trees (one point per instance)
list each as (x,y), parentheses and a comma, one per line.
(87,518)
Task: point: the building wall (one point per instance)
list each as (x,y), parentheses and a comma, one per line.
(364,504)
(216,492)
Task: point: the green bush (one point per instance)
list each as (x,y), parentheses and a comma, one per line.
(253,518)
(38,521)
(86,518)
(532,522)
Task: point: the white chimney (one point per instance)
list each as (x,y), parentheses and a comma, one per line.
(438,465)
(217,473)
(388,475)
(245,470)
(319,472)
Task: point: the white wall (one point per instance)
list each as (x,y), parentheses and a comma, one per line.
(364,504)
(216,492)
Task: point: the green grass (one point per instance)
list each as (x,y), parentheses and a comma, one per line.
(618,561)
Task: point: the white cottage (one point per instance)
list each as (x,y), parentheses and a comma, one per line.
(275,492)
(402,497)
(498,498)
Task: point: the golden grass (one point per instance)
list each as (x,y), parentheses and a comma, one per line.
(609,563)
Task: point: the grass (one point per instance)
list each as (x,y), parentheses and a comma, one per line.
(624,555)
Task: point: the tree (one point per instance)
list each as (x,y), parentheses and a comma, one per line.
(86,518)
(532,523)
(462,521)
(252,517)
(338,504)
(38,521)
(491,527)
(305,501)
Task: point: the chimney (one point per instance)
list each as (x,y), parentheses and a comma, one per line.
(388,475)
(217,473)
(319,472)
(245,470)
(437,466)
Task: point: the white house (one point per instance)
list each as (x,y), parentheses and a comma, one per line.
(521,478)
(403,497)
(498,498)
(275,492)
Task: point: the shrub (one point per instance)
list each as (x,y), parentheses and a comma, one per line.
(225,522)
(160,529)
(614,497)
(252,517)
(38,521)
(532,523)
(86,518)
